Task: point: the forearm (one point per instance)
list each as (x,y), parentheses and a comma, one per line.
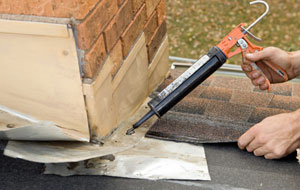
(295,62)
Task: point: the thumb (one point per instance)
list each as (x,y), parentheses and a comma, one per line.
(257,56)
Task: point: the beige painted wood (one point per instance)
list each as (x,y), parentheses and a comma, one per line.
(159,67)
(100,105)
(40,76)
(130,85)
(17,126)
(111,102)
(33,28)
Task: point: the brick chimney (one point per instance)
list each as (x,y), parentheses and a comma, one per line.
(122,50)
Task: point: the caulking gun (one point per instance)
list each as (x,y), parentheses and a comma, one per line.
(206,66)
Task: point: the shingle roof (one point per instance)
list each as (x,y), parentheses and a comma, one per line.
(222,108)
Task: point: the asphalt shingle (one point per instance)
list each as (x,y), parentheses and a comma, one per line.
(228,111)
(217,93)
(285,102)
(261,113)
(251,98)
(225,103)
(238,83)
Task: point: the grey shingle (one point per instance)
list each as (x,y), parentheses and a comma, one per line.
(285,102)
(251,98)
(261,113)
(228,111)
(222,109)
(239,83)
(217,93)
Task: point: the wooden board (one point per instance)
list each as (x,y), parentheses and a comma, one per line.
(111,101)
(130,85)
(159,67)
(40,75)
(100,105)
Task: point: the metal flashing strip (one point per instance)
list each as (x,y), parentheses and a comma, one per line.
(149,159)
(121,156)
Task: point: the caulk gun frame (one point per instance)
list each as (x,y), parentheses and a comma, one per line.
(259,18)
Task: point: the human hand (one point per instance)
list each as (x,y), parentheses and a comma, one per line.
(274,56)
(274,137)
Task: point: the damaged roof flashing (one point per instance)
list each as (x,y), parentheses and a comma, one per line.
(18,126)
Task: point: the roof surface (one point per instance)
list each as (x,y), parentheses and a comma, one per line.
(230,169)
(222,108)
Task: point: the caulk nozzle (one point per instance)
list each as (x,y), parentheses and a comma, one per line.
(130,131)
(140,122)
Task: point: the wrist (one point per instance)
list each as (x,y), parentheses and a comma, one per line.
(294,60)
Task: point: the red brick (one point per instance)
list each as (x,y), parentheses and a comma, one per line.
(151,6)
(133,30)
(136,4)
(118,25)
(161,11)
(151,26)
(116,57)
(156,40)
(62,9)
(93,25)
(94,57)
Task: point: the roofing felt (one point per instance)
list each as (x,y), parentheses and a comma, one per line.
(222,108)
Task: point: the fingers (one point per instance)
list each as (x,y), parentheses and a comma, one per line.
(265,53)
(261,151)
(264,86)
(256,77)
(251,73)
(259,81)
(246,68)
(246,138)
(255,74)
(270,150)
(253,145)
(270,156)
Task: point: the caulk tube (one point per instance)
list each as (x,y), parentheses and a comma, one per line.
(188,81)
(184,84)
